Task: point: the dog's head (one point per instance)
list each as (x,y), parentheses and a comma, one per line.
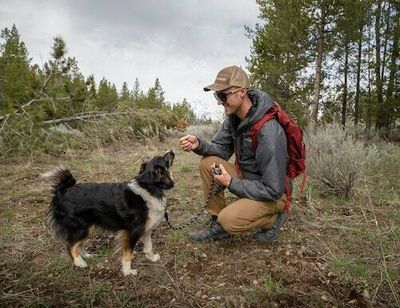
(156,172)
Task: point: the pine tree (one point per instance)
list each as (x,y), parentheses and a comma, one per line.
(137,93)
(107,96)
(184,111)
(154,99)
(16,78)
(278,55)
(125,99)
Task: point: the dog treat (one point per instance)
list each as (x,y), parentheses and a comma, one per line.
(216,169)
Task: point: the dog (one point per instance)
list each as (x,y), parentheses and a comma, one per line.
(133,209)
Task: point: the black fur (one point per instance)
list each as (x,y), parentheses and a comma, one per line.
(111,206)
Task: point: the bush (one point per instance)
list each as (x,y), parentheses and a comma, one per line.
(25,134)
(337,160)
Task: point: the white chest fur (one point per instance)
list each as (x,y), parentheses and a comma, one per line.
(156,206)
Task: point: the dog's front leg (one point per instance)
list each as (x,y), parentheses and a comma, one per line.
(148,247)
(128,242)
(127,257)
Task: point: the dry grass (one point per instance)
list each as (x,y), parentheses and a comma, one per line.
(332,252)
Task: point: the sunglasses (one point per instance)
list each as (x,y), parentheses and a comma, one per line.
(223,96)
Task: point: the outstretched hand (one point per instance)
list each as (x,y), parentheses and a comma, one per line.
(189,143)
(224,178)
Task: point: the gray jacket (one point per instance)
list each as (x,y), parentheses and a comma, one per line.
(263,170)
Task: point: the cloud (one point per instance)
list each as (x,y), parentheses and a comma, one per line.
(183,43)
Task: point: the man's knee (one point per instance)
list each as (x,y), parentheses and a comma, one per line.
(226,220)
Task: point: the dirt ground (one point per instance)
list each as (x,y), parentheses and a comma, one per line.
(331,252)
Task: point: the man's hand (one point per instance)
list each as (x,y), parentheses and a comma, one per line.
(224,178)
(189,143)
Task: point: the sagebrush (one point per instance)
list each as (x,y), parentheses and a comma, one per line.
(337,159)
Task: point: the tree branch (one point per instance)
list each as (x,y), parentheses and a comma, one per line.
(82,117)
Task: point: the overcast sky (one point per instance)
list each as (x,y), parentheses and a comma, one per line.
(183,43)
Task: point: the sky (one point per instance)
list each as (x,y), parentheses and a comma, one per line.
(183,43)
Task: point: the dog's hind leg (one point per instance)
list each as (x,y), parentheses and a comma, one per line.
(75,252)
(128,242)
(148,247)
(75,242)
(82,250)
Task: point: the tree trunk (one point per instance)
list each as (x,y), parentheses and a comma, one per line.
(369,108)
(393,67)
(318,70)
(346,68)
(378,79)
(357,98)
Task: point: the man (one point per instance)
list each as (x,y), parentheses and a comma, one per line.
(259,182)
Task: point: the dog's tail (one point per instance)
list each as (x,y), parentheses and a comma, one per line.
(61,180)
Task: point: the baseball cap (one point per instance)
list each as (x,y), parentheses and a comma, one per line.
(231,76)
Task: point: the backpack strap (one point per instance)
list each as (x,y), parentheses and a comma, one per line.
(254,131)
(288,193)
(256,127)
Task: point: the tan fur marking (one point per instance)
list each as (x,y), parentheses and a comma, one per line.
(123,239)
(74,251)
(92,229)
(127,255)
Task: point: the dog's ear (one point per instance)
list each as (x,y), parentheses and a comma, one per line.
(142,167)
(169,157)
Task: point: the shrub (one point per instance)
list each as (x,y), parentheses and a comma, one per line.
(337,160)
(26,134)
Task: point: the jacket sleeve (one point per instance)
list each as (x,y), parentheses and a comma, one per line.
(221,145)
(271,158)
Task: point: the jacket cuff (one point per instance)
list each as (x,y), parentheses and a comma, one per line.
(200,149)
(235,186)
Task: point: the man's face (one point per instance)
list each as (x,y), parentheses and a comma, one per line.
(230,99)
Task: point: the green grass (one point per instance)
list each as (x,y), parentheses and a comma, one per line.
(354,268)
(270,286)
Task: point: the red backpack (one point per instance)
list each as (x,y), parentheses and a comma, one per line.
(295,146)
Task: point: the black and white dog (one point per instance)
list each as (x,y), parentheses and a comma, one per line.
(133,209)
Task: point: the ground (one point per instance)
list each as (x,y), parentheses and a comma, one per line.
(331,252)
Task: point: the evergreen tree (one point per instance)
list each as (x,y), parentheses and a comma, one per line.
(16,78)
(137,93)
(107,96)
(184,111)
(154,99)
(125,99)
(159,94)
(91,93)
(279,53)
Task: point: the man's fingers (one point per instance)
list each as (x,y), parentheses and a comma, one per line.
(184,138)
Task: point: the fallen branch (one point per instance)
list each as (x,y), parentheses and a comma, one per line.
(82,117)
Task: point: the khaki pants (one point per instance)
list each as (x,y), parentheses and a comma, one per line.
(243,214)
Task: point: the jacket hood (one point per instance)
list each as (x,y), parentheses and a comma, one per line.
(261,102)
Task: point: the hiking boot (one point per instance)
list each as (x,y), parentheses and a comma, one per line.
(213,231)
(270,235)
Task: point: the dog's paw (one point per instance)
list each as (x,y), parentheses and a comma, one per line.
(84,254)
(79,262)
(153,258)
(131,272)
